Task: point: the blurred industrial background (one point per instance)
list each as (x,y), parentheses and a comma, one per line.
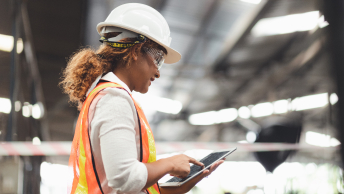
(253,72)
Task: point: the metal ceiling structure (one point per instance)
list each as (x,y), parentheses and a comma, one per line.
(224,65)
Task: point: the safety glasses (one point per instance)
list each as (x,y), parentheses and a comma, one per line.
(157,55)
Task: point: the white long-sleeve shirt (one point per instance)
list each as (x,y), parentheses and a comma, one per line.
(115,140)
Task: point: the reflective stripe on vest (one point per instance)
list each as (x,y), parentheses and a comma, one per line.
(85,178)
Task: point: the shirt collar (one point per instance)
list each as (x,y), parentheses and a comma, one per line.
(111,77)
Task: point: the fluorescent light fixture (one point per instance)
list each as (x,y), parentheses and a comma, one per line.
(36,141)
(251,137)
(286,24)
(322,23)
(26,110)
(214,117)
(281,106)
(252,1)
(262,109)
(321,140)
(20,46)
(310,102)
(205,118)
(5,105)
(244,112)
(226,115)
(168,106)
(6,43)
(242,141)
(158,103)
(333,98)
(37,110)
(17,106)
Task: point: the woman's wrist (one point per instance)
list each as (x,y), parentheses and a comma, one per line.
(169,165)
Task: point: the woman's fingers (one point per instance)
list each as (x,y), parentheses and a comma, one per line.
(178,176)
(194,161)
(206,173)
(215,165)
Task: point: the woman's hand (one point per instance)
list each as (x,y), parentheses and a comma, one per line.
(191,183)
(176,165)
(181,165)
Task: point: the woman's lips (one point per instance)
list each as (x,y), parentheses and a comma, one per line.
(151,80)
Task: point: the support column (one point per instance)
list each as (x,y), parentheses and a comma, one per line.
(334,14)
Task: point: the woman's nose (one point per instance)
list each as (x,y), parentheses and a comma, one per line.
(157,75)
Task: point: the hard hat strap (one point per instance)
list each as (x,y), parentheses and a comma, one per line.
(140,39)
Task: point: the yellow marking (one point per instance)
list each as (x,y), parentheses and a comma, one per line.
(151,142)
(152,190)
(82,185)
(120,45)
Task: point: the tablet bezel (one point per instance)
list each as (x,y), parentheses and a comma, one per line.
(177,184)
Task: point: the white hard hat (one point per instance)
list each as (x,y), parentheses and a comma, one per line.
(144,20)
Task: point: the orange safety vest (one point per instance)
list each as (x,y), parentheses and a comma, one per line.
(86,179)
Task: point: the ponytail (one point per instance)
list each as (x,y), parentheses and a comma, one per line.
(82,70)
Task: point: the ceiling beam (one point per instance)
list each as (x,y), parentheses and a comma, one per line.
(284,72)
(30,55)
(240,31)
(262,83)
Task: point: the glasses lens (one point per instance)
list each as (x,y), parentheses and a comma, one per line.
(157,55)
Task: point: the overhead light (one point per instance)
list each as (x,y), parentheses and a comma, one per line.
(214,117)
(17,106)
(251,137)
(168,106)
(322,23)
(286,24)
(205,118)
(5,105)
(158,103)
(321,140)
(310,102)
(244,112)
(281,106)
(36,141)
(252,1)
(26,110)
(262,109)
(37,110)
(6,43)
(333,98)
(226,115)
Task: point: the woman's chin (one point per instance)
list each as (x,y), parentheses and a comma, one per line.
(143,91)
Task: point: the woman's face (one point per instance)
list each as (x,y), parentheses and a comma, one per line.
(143,72)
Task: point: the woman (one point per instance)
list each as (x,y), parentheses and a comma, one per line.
(113,149)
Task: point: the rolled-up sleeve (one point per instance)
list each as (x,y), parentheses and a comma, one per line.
(114,113)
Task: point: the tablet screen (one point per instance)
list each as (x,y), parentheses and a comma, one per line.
(207,161)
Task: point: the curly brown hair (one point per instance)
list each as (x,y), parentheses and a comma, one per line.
(85,65)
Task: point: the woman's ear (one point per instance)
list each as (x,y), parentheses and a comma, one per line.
(135,52)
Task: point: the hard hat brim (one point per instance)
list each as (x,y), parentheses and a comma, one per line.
(172,56)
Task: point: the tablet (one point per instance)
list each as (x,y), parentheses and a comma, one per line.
(195,169)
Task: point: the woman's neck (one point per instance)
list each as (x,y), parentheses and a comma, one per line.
(124,75)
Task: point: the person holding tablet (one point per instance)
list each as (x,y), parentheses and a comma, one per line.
(113,149)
